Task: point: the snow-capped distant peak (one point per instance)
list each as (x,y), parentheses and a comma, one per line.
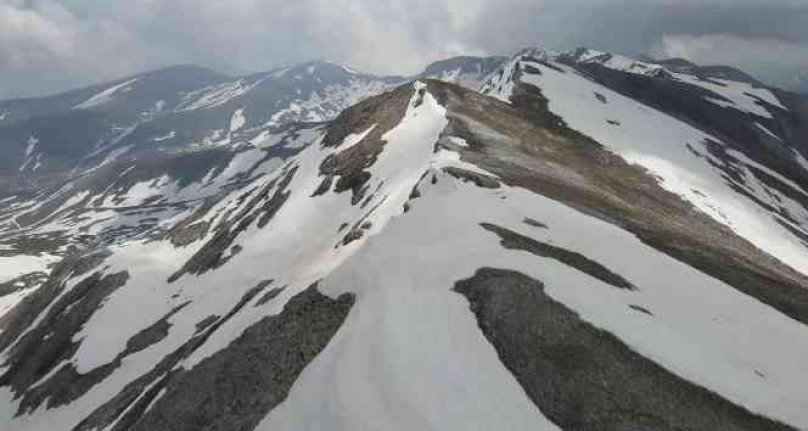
(466,71)
(583,56)
(725,87)
(612,61)
(539,54)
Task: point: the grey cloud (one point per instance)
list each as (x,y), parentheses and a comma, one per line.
(781,62)
(768,39)
(50,45)
(631,25)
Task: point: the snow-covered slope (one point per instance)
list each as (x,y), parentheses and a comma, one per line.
(727,179)
(564,250)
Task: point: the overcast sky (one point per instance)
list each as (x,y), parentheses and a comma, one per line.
(50,45)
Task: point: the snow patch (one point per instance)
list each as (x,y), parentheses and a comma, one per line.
(739,95)
(460,142)
(15,266)
(348,69)
(29,151)
(106,95)
(238,120)
(768,132)
(216,95)
(355,138)
(620,63)
(262,139)
(165,137)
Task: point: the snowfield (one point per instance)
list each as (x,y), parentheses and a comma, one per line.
(16,266)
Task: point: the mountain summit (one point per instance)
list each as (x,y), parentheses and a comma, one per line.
(565,241)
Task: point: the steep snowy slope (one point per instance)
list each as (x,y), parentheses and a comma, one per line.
(118,161)
(431,259)
(125,199)
(740,161)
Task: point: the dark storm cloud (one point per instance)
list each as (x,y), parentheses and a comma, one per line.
(633,26)
(49,45)
(766,38)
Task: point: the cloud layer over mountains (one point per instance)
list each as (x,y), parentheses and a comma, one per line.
(48,45)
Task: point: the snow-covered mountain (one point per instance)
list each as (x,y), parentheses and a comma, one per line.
(171,109)
(469,72)
(588,242)
(734,149)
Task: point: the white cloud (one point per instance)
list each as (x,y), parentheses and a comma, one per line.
(34,34)
(45,47)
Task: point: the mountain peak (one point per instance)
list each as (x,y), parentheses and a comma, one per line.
(182,68)
(467,64)
(468,71)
